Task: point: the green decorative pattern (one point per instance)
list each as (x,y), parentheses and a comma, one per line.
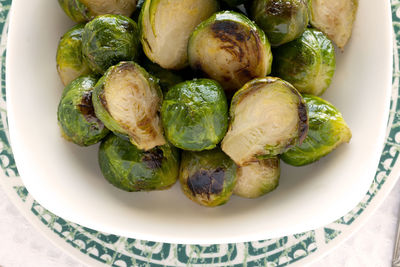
(115,250)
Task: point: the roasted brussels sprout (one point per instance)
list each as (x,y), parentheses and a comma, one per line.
(208,177)
(334,18)
(85,10)
(70,64)
(109,39)
(257,178)
(308,62)
(131,169)
(76,116)
(195,114)
(268,116)
(282,21)
(166,26)
(167,78)
(327,130)
(230,49)
(128,100)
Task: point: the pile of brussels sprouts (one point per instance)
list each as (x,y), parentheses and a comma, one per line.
(182,89)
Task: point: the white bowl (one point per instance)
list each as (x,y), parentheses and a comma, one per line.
(66,179)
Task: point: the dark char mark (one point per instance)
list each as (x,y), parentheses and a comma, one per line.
(153,159)
(86,108)
(207,182)
(225,29)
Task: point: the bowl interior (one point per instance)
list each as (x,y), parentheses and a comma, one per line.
(66,179)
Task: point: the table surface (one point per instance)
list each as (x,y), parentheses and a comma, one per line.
(22,245)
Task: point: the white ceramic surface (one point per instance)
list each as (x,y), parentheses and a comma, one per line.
(66,179)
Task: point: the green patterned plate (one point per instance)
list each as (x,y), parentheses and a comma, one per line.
(96,248)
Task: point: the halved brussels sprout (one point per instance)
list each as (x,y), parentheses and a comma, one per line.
(207,177)
(70,63)
(268,116)
(195,114)
(131,169)
(308,62)
(167,78)
(282,21)
(230,49)
(109,39)
(327,130)
(257,178)
(128,100)
(76,116)
(334,18)
(85,10)
(166,26)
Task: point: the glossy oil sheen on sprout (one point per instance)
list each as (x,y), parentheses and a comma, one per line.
(70,63)
(268,116)
(308,62)
(84,10)
(208,177)
(327,130)
(195,114)
(109,39)
(230,49)
(76,115)
(131,169)
(281,20)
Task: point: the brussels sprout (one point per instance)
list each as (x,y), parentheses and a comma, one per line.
(166,26)
(76,116)
(195,114)
(282,21)
(334,18)
(257,178)
(308,62)
(109,39)
(230,49)
(70,64)
(208,177)
(167,78)
(268,116)
(327,130)
(128,101)
(131,169)
(85,10)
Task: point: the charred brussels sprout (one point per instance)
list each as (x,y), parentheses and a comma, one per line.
(327,130)
(85,10)
(334,18)
(128,100)
(281,20)
(166,26)
(257,178)
(109,39)
(167,78)
(230,49)
(268,116)
(76,116)
(308,63)
(70,64)
(131,169)
(208,177)
(195,114)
